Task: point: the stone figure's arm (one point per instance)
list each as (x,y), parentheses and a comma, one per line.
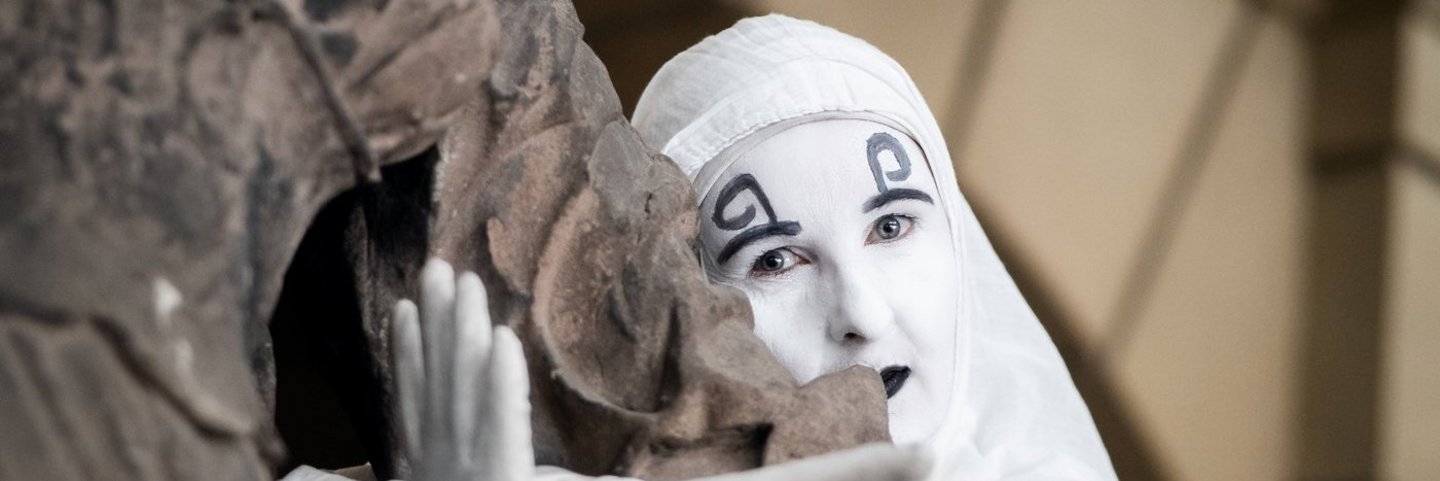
(463,401)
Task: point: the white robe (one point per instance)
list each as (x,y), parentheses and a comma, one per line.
(1014,412)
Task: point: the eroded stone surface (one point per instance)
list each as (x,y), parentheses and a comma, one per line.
(159,175)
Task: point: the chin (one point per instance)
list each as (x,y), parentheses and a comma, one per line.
(910,420)
(909,431)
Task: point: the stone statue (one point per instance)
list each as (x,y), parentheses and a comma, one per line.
(164,159)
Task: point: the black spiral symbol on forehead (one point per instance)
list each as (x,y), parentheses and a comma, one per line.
(884,142)
(772,225)
(741,183)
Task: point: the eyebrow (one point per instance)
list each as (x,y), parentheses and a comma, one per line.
(755,234)
(892,195)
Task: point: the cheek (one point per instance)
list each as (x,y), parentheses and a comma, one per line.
(924,287)
(790,322)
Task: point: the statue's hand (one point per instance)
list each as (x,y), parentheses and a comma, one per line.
(462,393)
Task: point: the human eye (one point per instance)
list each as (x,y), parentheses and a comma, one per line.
(889,228)
(775,262)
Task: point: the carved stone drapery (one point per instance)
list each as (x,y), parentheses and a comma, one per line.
(163,159)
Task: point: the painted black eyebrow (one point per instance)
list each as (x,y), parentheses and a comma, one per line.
(753,234)
(772,226)
(892,195)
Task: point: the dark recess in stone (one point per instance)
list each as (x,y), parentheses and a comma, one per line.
(329,407)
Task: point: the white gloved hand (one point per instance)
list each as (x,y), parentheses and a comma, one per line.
(462,393)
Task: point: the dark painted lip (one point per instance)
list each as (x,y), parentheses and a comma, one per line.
(894,378)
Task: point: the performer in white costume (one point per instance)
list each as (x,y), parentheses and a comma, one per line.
(828,196)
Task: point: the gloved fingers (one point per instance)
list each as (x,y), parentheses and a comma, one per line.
(437,316)
(871,462)
(408,366)
(508,445)
(472,354)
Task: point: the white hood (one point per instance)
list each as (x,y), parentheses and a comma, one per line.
(1014,411)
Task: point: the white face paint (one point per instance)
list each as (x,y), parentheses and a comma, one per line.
(846,257)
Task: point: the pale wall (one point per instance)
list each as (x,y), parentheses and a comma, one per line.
(1410,400)
(1211,368)
(1410,405)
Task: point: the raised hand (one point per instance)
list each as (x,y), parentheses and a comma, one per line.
(461,389)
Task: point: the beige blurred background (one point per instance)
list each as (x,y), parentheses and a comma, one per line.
(1226,212)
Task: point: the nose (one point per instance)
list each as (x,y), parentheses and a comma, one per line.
(861,312)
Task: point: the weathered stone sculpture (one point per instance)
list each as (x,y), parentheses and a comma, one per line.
(163,159)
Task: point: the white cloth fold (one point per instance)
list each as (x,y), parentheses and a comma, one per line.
(1014,412)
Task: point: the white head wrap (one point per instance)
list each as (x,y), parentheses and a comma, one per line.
(1014,411)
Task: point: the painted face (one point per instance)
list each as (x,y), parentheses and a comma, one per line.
(834,231)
